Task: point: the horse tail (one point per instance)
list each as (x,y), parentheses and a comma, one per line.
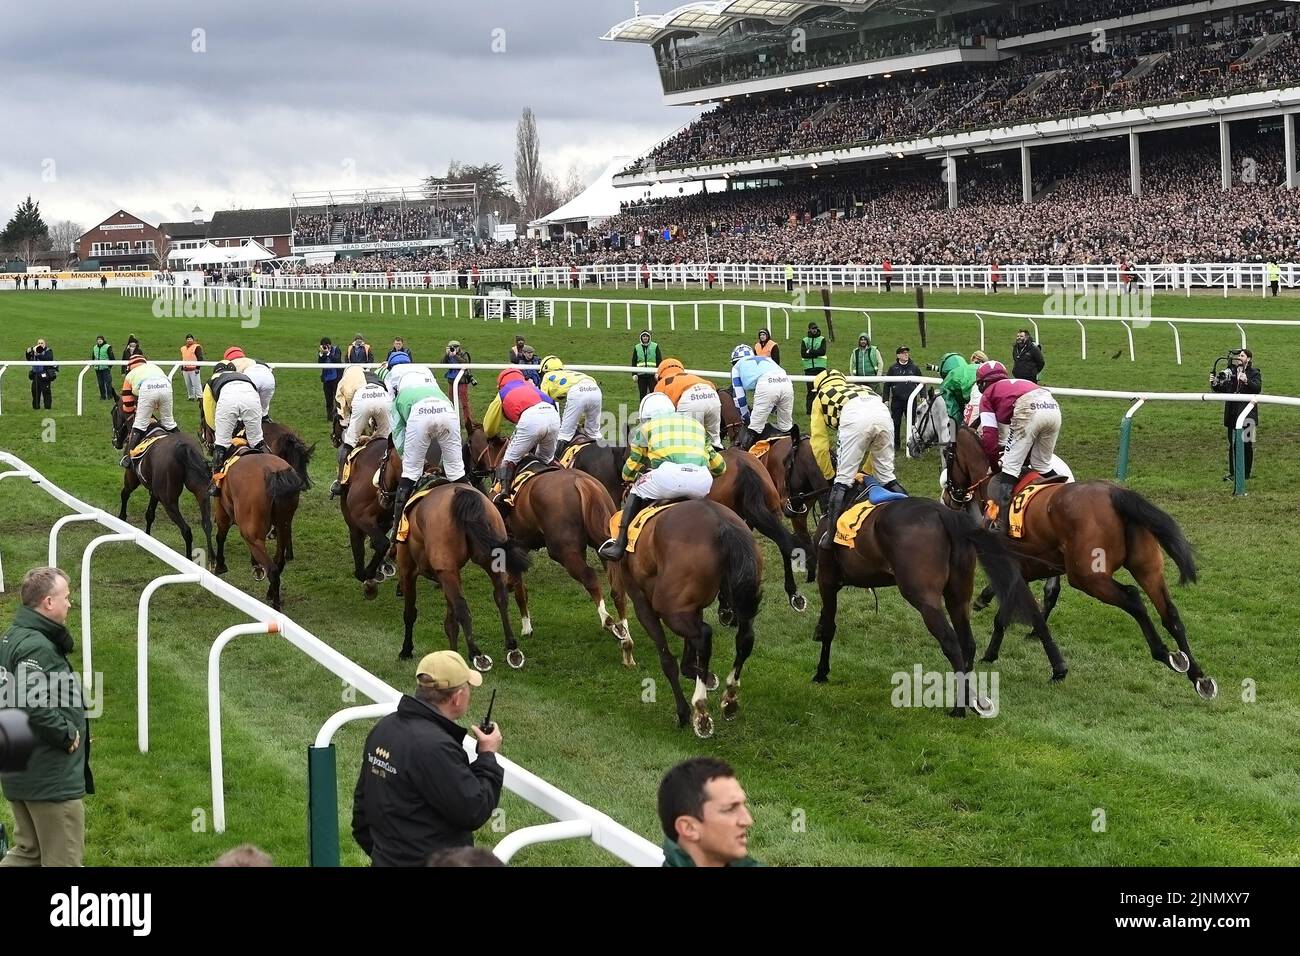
(281,484)
(1137,511)
(751,504)
(595,512)
(998,562)
(742,577)
(469,513)
(298,454)
(193,465)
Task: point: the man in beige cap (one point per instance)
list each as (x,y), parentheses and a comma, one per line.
(417,791)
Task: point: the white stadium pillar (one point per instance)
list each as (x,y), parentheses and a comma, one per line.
(1225,155)
(950,173)
(1288,137)
(1134,164)
(1026,176)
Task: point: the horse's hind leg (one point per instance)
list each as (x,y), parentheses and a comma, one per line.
(1148,571)
(956,598)
(986,598)
(174,512)
(650,621)
(205,518)
(501,594)
(406,578)
(620,629)
(520,591)
(698,638)
(129,483)
(927,603)
(270,570)
(357,542)
(223,529)
(829,586)
(1129,599)
(150,514)
(455,596)
(744,647)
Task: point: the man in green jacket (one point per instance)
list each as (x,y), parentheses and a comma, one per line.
(36,678)
(704,816)
(866,360)
(646,355)
(812,349)
(102,352)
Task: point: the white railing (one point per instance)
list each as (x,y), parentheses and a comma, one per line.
(604,831)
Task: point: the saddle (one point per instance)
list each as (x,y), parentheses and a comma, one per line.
(237,452)
(422,489)
(866,488)
(529,469)
(154,433)
(761,447)
(638,524)
(570,453)
(1029,485)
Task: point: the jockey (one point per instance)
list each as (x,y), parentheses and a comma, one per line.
(582,399)
(958,377)
(537,423)
(773,395)
(230,399)
(1034,418)
(421,414)
(669,458)
(259,373)
(148,392)
(361,406)
(694,396)
(399,367)
(864,433)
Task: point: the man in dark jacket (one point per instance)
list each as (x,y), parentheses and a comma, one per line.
(704,816)
(42,376)
(359,352)
(1027,358)
(329,354)
(1240,377)
(417,791)
(36,677)
(897,395)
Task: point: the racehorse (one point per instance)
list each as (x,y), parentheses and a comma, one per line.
(450,526)
(259,494)
(605,464)
(280,439)
(799,485)
(567,511)
(1088,531)
(366,518)
(731,420)
(929,553)
(747,490)
(170,465)
(687,557)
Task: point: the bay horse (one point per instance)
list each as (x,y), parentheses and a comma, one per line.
(451,526)
(366,518)
(731,420)
(605,464)
(747,490)
(259,494)
(687,557)
(567,511)
(169,466)
(1087,531)
(282,441)
(799,484)
(929,553)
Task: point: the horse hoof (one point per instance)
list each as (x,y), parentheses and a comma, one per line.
(626,648)
(711,682)
(726,617)
(957,712)
(482,662)
(388,570)
(515,658)
(1058,676)
(978,605)
(405,654)
(259,573)
(703,724)
(730,707)
(820,678)
(1178,662)
(798,602)
(370,590)
(1207,688)
(984,707)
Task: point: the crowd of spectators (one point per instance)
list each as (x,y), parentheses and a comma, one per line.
(382,223)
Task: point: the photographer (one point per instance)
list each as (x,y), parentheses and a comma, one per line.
(46,797)
(1240,377)
(456,355)
(329,354)
(42,376)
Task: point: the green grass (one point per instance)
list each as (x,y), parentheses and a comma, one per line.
(1181,781)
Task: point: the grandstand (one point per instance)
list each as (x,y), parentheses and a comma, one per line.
(389,220)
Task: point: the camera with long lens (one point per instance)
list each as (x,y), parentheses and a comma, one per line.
(1225,367)
(931,367)
(16,741)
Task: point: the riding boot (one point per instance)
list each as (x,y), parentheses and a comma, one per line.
(400,497)
(613,549)
(505,476)
(745,440)
(336,489)
(561,447)
(133,439)
(834,508)
(219,456)
(1000,488)
(795,437)
(895,486)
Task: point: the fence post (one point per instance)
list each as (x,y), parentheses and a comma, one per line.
(322,806)
(1125,431)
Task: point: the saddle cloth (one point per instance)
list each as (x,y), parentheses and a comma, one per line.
(639,522)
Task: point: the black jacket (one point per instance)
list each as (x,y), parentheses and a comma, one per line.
(897,394)
(1254,385)
(1028,361)
(417,791)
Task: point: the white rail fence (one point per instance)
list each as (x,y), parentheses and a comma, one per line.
(576,819)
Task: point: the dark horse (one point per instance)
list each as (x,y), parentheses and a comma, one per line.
(169,466)
(929,553)
(280,439)
(366,518)
(605,464)
(687,557)
(566,512)
(1088,531)
(799,484)
(259,494)
(747,490)
(452,525)
(731,420)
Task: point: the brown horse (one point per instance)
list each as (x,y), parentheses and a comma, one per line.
(731,420)
(605,464)
(566,512)
(747,490)
(259,494)
(799,484)
(280,439)
(1088,531)
(687,557)
(169,466)
(929,553)
(366,519)
(452,525)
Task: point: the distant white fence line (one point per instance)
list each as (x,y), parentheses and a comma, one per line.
(578,819)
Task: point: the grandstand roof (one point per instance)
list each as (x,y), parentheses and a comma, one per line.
(713,16)
(237,223)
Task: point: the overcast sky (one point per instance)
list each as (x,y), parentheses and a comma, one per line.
(125,105)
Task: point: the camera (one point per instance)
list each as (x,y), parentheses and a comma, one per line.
(931,367)
(16,741)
